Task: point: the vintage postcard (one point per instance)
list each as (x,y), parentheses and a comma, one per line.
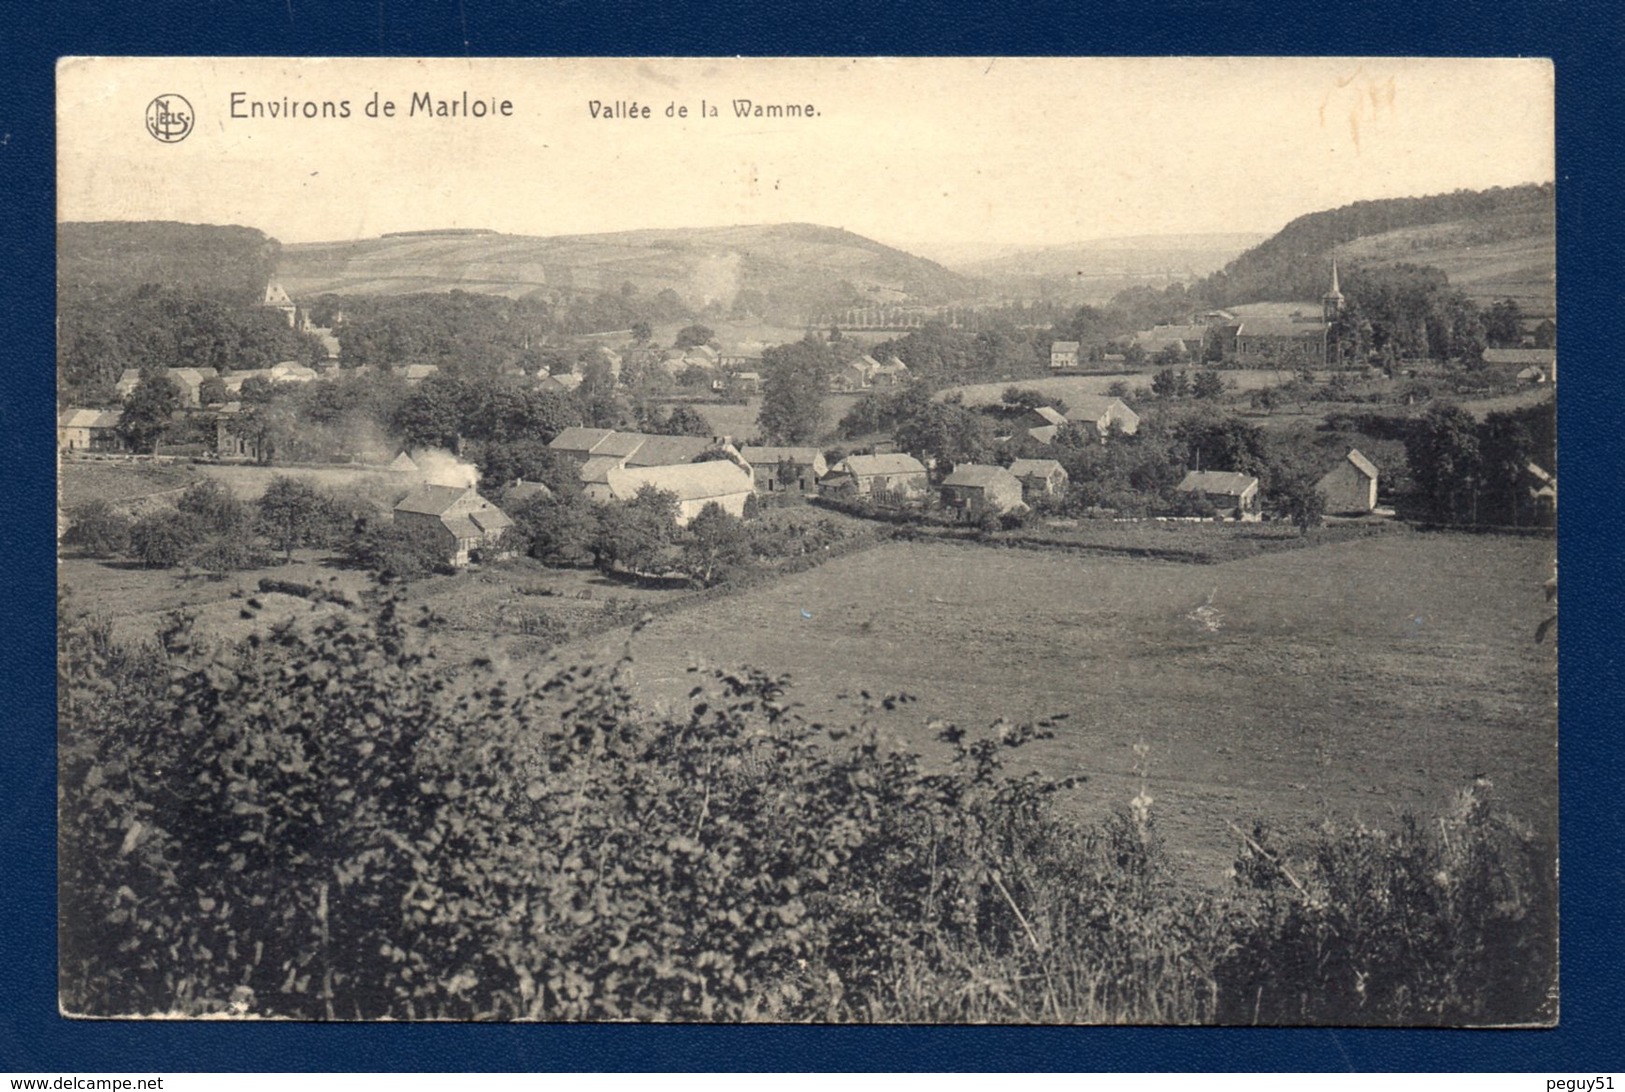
(962,540)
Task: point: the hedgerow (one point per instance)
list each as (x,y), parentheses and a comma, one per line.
(328,823)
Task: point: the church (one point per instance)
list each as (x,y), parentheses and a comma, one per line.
(1279,342)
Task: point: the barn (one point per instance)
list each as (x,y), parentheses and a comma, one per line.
(695,485)
(1350,487)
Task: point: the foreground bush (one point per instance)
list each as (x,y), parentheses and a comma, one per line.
(327,824)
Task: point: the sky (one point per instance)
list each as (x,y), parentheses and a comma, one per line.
(937,156)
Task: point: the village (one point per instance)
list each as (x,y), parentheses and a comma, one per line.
(1008,473)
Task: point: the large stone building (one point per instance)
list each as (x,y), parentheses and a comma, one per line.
(695,485)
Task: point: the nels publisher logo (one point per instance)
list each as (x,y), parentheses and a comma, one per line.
(169,118)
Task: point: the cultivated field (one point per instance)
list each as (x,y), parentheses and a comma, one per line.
(1351,681)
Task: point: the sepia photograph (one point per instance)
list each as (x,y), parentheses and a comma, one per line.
(947,541)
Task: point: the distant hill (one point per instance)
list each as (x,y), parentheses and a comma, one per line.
(774,270)
(1185,256)
(112,258)
(1492,243)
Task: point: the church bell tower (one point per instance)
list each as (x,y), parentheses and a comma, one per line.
(1331,304)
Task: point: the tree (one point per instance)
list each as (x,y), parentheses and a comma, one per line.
(215,506)
(98,529)
(1300,500)
(529,459)
(796,377)
(558,530)
(1442,450)
(642,332)
(1503,324)
(690,336)
(148,412)
(1169,384)
(433,414)
(161,540)
(392,551)
(294,513)
(1207,385)
(212,391)
(596,397)
(714,545)
(634,535)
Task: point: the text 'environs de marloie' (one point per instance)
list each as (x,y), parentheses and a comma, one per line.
(463,104)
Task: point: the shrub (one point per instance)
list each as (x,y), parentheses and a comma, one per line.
(163,539)
(1448,923)
(98,529)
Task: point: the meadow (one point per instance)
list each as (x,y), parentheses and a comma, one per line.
(1348,682)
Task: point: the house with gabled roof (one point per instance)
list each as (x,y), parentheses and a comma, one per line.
(1063,354)
(695,485)
(1234,495)
(1186,339)
(1101,415)
(1350,487)
(862,475)
(579,442)
(88,430)
(893,373)
(974,490)
(785,469)
(850,376)
(1040,478)
(453,519)
(1046,415)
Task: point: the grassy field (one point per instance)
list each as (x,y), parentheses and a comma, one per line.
(1350,681)
(1081,386)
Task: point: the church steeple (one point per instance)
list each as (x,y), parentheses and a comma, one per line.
(1331,304)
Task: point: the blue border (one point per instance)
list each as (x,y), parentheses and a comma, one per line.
(1581,37)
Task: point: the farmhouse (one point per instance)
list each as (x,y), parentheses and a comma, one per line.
(454,519)
(1234,495)
(403,464)
(1350,487)
(1063,354)
(88,430)
(1099,415)
(973,491)
(1044,434)
(861,475)
(785,469)
(1040,477)
(851,376)
(695,485)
